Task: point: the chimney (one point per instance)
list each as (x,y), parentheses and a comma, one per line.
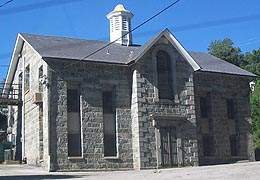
(120,25)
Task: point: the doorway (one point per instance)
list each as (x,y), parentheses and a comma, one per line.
(168,146)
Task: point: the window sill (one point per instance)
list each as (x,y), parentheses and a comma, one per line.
(166,101)
(236,156)
(75,158)
(111,158)
(209,157)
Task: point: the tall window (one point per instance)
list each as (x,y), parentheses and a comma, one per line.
(234,148)
(207,138)
(233,145)
(203,107)
(207,144)
(74,120)
(164,72)
(20,84)
(230,109)
(109,119)
(27,79)
(40,131)
(40,76)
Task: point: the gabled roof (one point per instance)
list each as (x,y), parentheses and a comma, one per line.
(144,48)
(77,49)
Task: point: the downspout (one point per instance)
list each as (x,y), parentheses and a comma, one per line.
(50,167)
(23,110)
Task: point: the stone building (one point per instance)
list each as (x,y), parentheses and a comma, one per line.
(99,105)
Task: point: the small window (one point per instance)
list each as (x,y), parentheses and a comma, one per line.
(203,107)
(233,145)
(207,143)
(109,124)
(27,79)
(124,23)
(230,109)
(112,25)
(164,73)
(117,23)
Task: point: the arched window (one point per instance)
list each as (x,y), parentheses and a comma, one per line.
(164,73)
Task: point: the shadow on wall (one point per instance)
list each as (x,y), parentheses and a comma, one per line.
(257,154)
(38,177)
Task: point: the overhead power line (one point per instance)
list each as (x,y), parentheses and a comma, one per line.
(34,6)
(190,27)
(137,27)
(2,5)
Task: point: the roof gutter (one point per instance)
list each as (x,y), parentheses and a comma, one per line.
(253,76)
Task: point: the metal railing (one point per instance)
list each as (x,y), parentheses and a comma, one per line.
(10,94)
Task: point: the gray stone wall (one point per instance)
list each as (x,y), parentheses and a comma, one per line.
(139,112)
(30,134)
(148,109)
(218,88)
(92,77)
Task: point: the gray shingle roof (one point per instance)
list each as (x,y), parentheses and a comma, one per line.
(209,63)
(76,49)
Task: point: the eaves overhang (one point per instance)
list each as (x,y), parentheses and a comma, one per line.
(16,55)
(173,41)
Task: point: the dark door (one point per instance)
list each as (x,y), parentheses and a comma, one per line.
(168,146)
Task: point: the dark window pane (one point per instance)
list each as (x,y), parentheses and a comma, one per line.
(233,145)
(74,145)
(107,102)
(206,140)
(73,100)
(203,107)
(74,122)
(230,109)
(109,123)
(20,82)
(27,78)
(110,144)
(164,73)
(40,77)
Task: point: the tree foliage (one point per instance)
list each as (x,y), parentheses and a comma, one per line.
(250,61)
(226,51)
(255,107)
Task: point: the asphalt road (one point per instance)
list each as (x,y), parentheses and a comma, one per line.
(239,171)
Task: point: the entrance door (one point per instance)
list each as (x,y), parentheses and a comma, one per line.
(168,146)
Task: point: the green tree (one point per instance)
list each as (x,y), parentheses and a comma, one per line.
(255,107)
(253,65)
(226,51)
(253,61)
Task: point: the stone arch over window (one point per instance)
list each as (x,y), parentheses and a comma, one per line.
(165,72)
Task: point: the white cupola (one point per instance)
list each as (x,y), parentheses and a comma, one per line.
(120,25)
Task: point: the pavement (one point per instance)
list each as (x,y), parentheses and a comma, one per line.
(238,171)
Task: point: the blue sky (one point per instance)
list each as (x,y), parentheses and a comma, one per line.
(195,23)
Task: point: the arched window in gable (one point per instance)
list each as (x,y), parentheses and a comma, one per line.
(164,74)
